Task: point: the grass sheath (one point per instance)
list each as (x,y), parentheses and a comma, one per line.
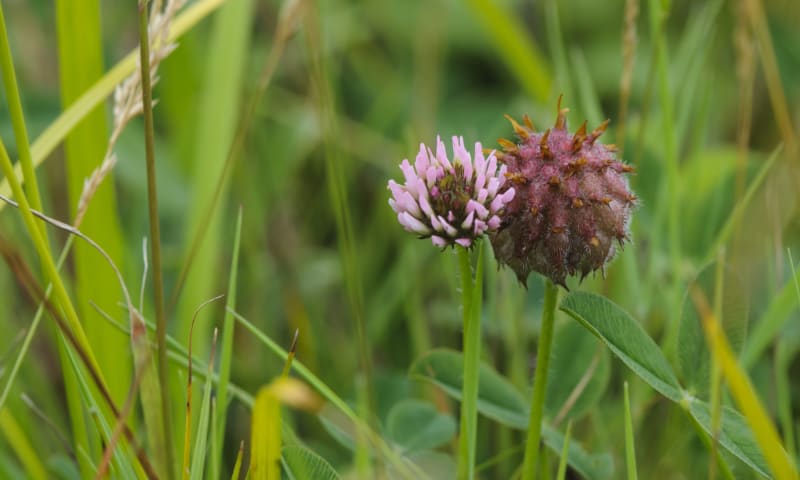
(529,466)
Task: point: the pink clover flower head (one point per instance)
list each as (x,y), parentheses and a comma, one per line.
(451,201)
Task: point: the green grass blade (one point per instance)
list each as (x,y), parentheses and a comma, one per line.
(17,117)
(201,437)
(80,60)
(226,353)
(515,46)
(215,125)
(58,130)
(18,440)
(562,462)
(403,468)
(630,451)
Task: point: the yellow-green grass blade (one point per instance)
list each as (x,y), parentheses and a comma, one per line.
(265,437)
(744,394)
(58,130)
(80,66)
(18,441)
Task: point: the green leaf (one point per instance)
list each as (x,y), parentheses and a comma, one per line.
(693,354)
(436,465)
(417,425)
(301,463)
(576,353)
(595,466)
(497,398)
(500,401)
(626,339)
(736,437)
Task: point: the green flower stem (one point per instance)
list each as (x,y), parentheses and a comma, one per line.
(540,381)
(155,234)
(470,298)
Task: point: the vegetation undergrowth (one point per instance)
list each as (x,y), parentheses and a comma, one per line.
(597,299)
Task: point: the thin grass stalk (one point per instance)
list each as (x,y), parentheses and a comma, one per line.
(715,397)
(658,14)
(745,75)
(531,460)
(226,355)
(203,420)
(773,77)
(630,444)
(472,352)
(338,196)
(155,234)
(628,61)
(562,461)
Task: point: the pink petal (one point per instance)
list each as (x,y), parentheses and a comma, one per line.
(464,242)
(423,162)
(438,241)
(480,162)
(395,188)
(426,206)
(494,222)
(502,200)
(480,181)
(431,175)
(412,224)
(482,195)
(436,224)
(494,184)
(441,155)
(408,172)
(406,202)
(461,155)
(449,229)
(480,227)
(468,221)
(491,167)
(473,206)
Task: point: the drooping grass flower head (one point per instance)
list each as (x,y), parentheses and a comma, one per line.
(451,202)
(572,205)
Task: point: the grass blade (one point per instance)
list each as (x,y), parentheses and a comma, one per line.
(630,451)
(226,353)
(744,394)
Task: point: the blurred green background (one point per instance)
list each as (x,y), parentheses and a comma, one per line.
(699,127)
